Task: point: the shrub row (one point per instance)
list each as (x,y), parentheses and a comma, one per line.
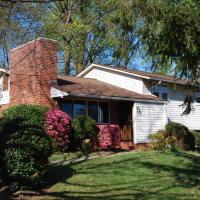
(175,136)
(25,146)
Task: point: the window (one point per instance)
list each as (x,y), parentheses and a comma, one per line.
(198,99)
(93,110)
(160,91)
(103,113)
(98,111)
(79,108)
(164,96)
(67,107)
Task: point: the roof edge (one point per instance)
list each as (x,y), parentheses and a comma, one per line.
(61,94)
(89,68)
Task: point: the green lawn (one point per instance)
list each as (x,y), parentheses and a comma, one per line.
(136,175)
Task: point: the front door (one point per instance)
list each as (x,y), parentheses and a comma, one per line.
(125,121)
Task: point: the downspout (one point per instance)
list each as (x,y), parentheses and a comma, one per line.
(134,123)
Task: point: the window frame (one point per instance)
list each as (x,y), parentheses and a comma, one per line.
(160,89)
(86,103)
(197,95)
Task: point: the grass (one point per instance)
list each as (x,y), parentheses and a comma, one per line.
(59,157)
(65,156)
(137,175)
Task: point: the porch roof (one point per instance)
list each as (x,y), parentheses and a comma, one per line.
(87,87)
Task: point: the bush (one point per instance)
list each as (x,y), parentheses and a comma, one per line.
(25,146)
(161,141)
(24,115)
(197,138)
(26,155)
(104,136)
(108,136)
(157,141)
(58,127)
(84,128)
(185,138)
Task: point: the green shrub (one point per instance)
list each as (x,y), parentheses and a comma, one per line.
(157,141)
(25,146)
(21,116)
(185,138)
(197,138)
(171,142)
(84,128)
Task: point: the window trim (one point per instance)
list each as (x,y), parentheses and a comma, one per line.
(86,103)
(159,89)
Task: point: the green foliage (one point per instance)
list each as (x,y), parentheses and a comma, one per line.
(184,137)
(157,141)
(197,138)
(19,23)
(26,154)
(84,128)
(27,115)
(25,147)
(93,31)
(170,34)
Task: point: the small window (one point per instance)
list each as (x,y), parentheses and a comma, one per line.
(79,108)
(67,107)
(156,94)
(164,96)
(103,113)
(198,99)
(93,110)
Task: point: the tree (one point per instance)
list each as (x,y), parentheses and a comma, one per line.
(92,31)
(19,23)
(169,32)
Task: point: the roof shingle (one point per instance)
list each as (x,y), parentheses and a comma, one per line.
(93,87)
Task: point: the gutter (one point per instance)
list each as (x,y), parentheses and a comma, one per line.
(61,94)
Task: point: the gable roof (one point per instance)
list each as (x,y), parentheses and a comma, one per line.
(87,87)
(137,73)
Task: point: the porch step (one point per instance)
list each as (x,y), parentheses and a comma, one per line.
(127,145)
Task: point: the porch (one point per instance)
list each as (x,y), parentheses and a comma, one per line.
(104,112)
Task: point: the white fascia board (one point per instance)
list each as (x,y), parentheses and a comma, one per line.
(4,71)
(58,93)
(104,67)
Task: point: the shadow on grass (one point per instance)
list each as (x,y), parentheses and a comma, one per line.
(58,173)
(141,187)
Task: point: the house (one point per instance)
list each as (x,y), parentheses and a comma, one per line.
(139,102)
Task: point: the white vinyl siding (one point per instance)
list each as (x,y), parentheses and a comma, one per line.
(128,82)
(175,110)
(148,118)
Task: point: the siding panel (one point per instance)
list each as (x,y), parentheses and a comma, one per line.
(149,118)
(114,78)
(175,110)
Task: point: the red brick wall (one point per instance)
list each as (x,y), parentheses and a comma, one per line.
(33,67)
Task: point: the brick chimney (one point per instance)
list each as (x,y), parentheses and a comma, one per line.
(33,68)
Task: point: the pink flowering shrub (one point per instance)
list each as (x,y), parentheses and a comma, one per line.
(108,136)
(104,136)
(115,135)
(58,126)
